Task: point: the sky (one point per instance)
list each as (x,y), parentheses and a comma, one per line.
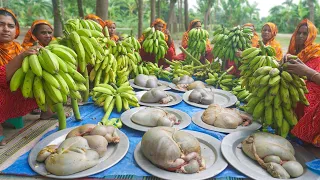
(263,5)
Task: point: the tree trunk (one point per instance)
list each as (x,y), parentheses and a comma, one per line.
(186,14)
(180,17)
(57,18)
(102,9)
(171,12)
(80,9)
(140,16)
(159,9)
(153,10)
(311,10)
(207,14)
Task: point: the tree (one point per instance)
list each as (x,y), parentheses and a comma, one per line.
(159,8)
(311,10)
(140,15)
(102,9)
(153,10)
(207,14)
(80,9)
(57,18)
(171,11)
(186,14)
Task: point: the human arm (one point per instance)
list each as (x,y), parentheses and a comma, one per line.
(299,68)
(16,62)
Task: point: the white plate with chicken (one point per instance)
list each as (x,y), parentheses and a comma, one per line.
(203,97)
(78,151)
(225,120)
(160,85)
(158,98)
(144,118)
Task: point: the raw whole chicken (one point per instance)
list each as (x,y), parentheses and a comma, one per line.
(156,96)
(202,96)
(274,153)
(146,81)
(154,117)
(172,150)
(225,117)
(81,149)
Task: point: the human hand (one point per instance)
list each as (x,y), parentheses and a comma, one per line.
(31,50)
(238,53)
(299,68)
(288,57)
(166,31)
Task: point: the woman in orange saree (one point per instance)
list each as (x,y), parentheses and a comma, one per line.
(268,34)
(196,23)
(302,44)
(112,30)
(96,19)
(160,25)
(41,31)
(12,104)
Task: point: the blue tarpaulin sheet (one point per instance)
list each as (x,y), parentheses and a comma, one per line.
(92,114)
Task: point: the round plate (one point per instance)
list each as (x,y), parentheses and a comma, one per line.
(221,97)
(210,151)
(182,116)
(231,150)
(197,119)
(174,87)
(176,99)
(163,85)
(115,152)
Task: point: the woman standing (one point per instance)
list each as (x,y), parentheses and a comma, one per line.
(112,30)
(41,31)
(268,34)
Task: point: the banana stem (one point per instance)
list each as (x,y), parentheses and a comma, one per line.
(86,93)
(75,109)
(190,56)
(262,47)
(169,62)
(61,116)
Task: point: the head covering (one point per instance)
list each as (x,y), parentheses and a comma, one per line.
(95,17)
(29,39)
(15,18)
(192,23)
(311,49)
(11,49)
(272,42)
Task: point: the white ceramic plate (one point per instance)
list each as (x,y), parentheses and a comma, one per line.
(196,118)
(114,154)
(176,99)
(163,85)
(210,150)
(221,97)
(182,116)
(231,150)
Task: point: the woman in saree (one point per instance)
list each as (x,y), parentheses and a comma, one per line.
(160,25)
(112,30)
(196,23)
(41,32)
(302,44)
(96,19)
(12,104)
(268,34)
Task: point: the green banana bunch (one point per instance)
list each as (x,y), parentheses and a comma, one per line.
(155,43)
(50,77)
(159,72)
(241,93)
(116,122)
(133,42)
(197,39)
(224,81)
(110,97)
(228,42)
(274,98)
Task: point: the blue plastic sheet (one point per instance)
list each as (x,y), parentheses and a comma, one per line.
(91,114)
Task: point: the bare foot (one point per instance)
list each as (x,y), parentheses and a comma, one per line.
(47,115)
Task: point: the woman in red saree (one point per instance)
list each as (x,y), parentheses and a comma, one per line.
(196,23)
(302,44)
(12,104)
(41,31)
(96,19)
(268,33)
(112,30)
(160,25)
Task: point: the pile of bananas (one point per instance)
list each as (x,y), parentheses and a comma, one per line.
(202,72)
(224,81)
(50,77)
(75,24)
(197,39)
(227,42)
(104,71)
(241,93)
(116,122)
(159,72)
(111,96)
(155,43)
(254,58)
(274,98)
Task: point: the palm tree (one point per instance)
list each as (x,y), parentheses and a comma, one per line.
(102,9)
(159,8)
(57,18)
(186,14)
(311,9)
(80,9)
(207,13)
(153,10)
(171,12)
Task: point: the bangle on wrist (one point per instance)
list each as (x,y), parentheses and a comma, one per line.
(315,74)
